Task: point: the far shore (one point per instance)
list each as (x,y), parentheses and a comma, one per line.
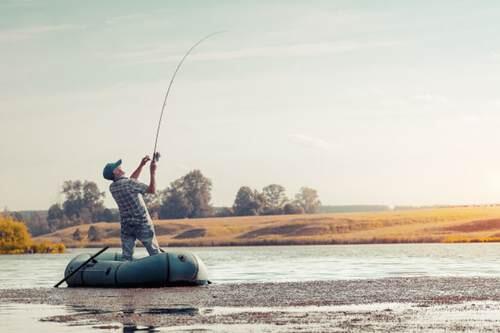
(284,243)
(436,225)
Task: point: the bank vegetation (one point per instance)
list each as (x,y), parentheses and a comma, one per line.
(15,239)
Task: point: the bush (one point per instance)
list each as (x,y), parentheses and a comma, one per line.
(15,238)
(47,247)
(77,235)
(94,234)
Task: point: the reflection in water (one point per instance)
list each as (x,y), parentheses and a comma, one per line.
(34,318)
(183,310)
(54,319)
(79,318)
(135,328)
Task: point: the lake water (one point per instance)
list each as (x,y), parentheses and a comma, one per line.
(252,264)
(290,263)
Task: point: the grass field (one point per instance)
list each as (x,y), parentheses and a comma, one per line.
(457,224)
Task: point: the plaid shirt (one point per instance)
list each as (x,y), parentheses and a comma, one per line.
(128,193)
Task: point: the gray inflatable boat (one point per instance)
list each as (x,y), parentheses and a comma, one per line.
(160,270)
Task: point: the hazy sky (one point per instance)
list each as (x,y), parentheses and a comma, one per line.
(393,102)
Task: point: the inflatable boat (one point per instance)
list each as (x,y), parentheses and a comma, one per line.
(160,270)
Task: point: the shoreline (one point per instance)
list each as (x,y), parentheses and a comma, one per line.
(264,244)
(275,294)
(401,304)
(280,243)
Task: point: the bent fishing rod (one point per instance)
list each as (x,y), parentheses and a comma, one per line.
(156,154)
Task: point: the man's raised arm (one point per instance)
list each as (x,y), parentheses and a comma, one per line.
(135,175)
(152,181)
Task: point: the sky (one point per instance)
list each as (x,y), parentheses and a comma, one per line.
(368,102)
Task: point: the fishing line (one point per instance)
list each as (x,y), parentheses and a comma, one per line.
(156,155)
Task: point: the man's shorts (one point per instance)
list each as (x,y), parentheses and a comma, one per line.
(144,232)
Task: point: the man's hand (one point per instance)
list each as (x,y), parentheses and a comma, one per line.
(152,166)
(137,172)
(145,160)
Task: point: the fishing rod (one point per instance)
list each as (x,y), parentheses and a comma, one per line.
(156,154)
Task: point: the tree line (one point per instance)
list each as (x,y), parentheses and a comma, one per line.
(190,197)
(187,197)
(83,204)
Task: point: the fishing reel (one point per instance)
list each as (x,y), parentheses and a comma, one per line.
(156,156)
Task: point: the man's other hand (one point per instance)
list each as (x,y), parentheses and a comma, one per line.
(145,160)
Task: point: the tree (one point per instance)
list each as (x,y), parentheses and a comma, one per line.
(73,204)
(18,217)
(188,196)
(223,212)
(291,208)
(107,215)
(197,188)
(274,199)
(83,201)
(55,217)
(36,223)
(92,197)
(175,205)
(85,216)
(94,234)
(77,235)
(247,202)
(308,199)
(154,202)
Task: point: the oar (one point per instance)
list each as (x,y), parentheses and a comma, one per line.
(82,265)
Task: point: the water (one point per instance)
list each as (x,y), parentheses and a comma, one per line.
(290,263)
(26,318)
(256,264)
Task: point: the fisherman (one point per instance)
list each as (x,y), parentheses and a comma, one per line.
(136,222)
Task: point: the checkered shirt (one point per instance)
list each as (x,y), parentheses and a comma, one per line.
(128,193)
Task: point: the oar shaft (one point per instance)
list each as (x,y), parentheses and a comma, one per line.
(81,266)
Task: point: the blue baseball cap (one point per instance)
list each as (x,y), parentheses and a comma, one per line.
(109,168)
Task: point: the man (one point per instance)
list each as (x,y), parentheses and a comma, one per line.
(135,220)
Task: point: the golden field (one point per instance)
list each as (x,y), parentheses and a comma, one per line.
(455,224)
